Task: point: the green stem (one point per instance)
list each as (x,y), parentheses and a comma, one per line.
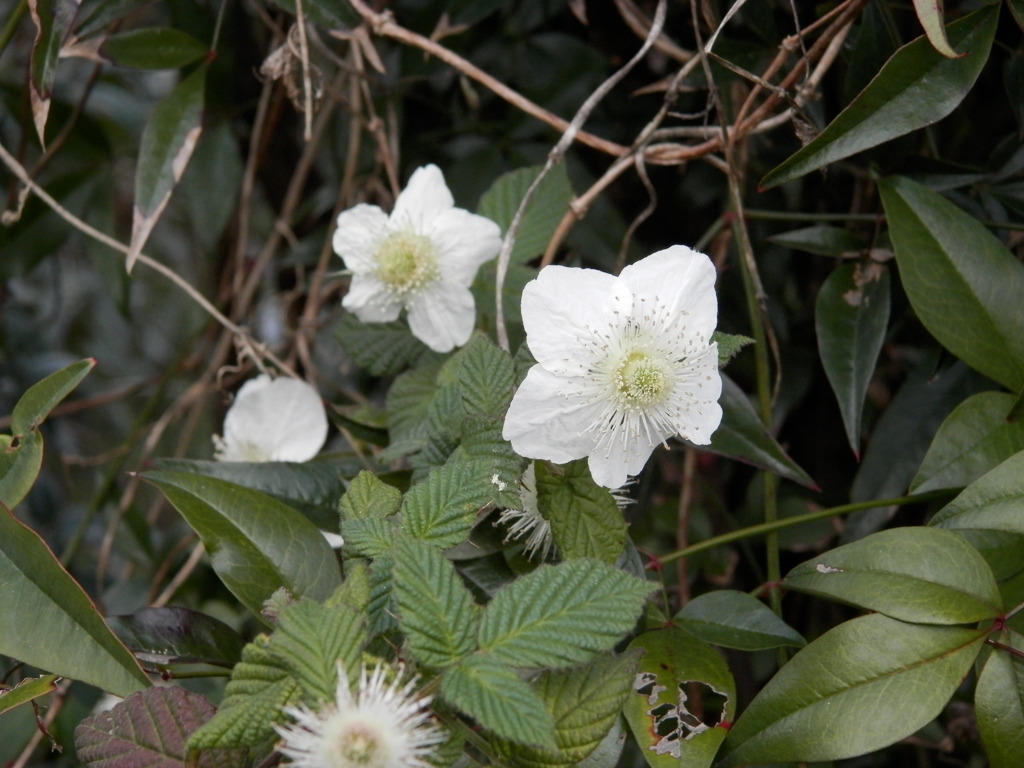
(777,525)
(755,213)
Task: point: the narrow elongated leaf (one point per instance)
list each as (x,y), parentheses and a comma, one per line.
(435,609)
(168,141)
(148,728)
(915,574)
(561,614)
(171,634)
(442,509)
(964,285)
(42,397)
(494,696)
(929,13)
(995,501)
(29,689)
(53,20)
(736,620)
(851,315)
(886,679)
(682,701)
(256,544)
(821,239)
(585,520)
(152,48)
(915,88)
(19,467)
(999,704)
(42,600)
(742,436)
(974,438)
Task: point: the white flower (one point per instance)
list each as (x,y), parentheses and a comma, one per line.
(423,257)
(273,420)
(624,363)
(528,521)
(382,726)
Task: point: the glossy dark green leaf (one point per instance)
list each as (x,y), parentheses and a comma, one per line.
(929,13)
(742,436)
(256,544)
(915,88)
(851,317)
(19,466)
(964,285)
(170,635)
(585,520)
(999,703)
(885,680)
(974,438)
(923,575)
(43,601)
(168,140)
(42,397)
(29,689)
(821,239)
(671,729)
(995,501)
(734,619)
(152,48)
(1017,9)
(54,20)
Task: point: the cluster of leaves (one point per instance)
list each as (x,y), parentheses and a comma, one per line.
(548,665)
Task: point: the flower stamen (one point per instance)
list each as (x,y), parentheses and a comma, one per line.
(406,262)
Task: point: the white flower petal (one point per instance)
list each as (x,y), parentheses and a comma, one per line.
(442,316)
(544,422)
(425,197)
(357,235)
(371,301)
(464,242)
(703,413)
(683,281)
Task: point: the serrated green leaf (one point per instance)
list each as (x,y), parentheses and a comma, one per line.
(481,441)
(259,688)
(43,600)
(435,610)
(256,544)
(734,619)
(408,402)
(355,590)
(851,317)
(545,210)
(975,438)
(19,467)
(995,501)
(494,696)
(42,397)
(486,378)
(821,239)
(914,574)
(367,496)
(368,536)
(29,689)
(729,345)
(383,349)
(929,13)
(676,666)
(381,609)
(584,703)
(441,510)
(999,704)
(562,614)
(886,679)
(152,48)
(585,520)
(916,87)
(172,634)
(148,728)
(53,20)
(964,285)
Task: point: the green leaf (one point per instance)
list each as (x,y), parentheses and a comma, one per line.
(256,544)
(821,239)
(148,728)
(734,619)
(54,20)
(742,436)
(914,574)
(545,210)
(481,441)
(178,635)
(999,704)
(494,696)
(729,345)
(329,14)
(562,614)
(929,13)
(408,402)
(964,285)
(170,136)
(995,501)
(29,689)
(384,349)
(441,510)
(486,378)
(42,397)
(916,87)
(851,315)
(885,680)
(19,467)
(368,536)
(1017,409)
(435,609)
(676,666)
(152,48)
(1017,9)
(44,601)
(368,496)
(585,520)
(584,703)
(974,438)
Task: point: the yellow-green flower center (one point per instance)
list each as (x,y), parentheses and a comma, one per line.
(406,262)
(359,746)
(640,380)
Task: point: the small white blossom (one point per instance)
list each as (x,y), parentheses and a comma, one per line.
(273,420)
(382,726)
(623,363)
(423,258)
